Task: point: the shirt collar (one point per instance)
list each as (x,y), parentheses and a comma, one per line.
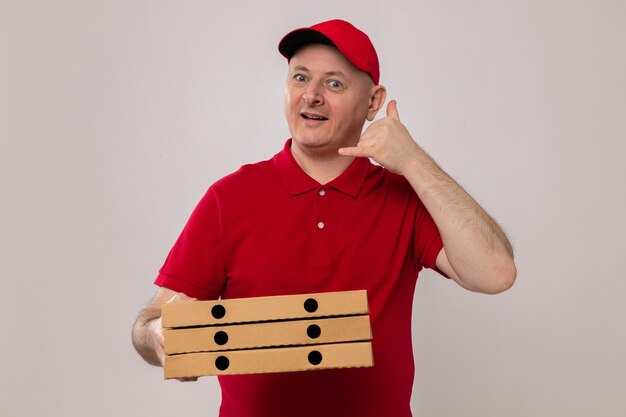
(297,181)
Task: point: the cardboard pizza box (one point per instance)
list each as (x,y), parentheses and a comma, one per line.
(266,334)
(256,309)
(257,361)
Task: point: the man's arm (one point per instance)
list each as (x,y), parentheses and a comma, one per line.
(147,331)
(476,253)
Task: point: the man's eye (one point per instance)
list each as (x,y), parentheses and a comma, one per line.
(335,84)
(299,77)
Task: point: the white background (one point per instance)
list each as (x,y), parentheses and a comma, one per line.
(115,116)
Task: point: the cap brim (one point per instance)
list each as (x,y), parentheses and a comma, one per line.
(299,37)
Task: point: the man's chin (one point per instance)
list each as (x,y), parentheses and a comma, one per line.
(316,146)
(311,143)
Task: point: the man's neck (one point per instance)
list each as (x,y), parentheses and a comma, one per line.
(322,167)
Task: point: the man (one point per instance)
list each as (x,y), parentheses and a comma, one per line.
(320,217)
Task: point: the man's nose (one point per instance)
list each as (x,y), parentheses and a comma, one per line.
(312,95)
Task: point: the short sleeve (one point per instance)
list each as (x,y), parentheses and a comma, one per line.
(427,239)
(195,265)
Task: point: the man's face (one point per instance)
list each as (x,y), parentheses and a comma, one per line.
(327,99)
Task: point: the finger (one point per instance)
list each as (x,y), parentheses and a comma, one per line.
(392,110)
(357,151)
(180,297)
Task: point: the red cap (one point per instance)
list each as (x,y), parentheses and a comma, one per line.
(351,42)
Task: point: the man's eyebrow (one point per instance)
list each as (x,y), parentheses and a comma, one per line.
(336,73)
(305,69)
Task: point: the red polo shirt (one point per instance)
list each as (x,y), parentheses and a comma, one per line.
(270,229)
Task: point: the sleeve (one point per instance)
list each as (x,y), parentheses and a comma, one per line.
(195,265)
(427,239)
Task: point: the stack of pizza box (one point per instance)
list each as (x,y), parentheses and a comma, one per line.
(267,334)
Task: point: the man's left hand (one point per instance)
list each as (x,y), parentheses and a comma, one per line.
(388,142)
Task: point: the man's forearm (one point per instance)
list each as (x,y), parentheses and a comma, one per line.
(144,336)
(475,246)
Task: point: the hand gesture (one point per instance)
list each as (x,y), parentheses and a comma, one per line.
(387,142)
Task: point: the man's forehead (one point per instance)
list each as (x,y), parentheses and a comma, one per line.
(327,58)
(306,69)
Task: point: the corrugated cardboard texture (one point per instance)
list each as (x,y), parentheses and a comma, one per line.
(281,333)
(286,359)
(254,309)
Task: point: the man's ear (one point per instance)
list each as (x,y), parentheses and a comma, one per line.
(378,95)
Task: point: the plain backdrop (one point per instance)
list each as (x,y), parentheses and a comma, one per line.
(115,116)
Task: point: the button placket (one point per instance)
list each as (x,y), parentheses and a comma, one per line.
(322,224)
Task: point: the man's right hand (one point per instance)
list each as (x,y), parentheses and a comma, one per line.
(158,334)
(148,329)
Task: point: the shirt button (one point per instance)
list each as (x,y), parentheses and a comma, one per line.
(322,192)
(320,225)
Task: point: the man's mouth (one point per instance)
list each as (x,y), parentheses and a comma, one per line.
(313,116)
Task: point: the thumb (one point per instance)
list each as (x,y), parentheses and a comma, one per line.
(180,297)
(392,110)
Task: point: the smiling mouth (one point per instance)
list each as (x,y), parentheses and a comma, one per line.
(310,116)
